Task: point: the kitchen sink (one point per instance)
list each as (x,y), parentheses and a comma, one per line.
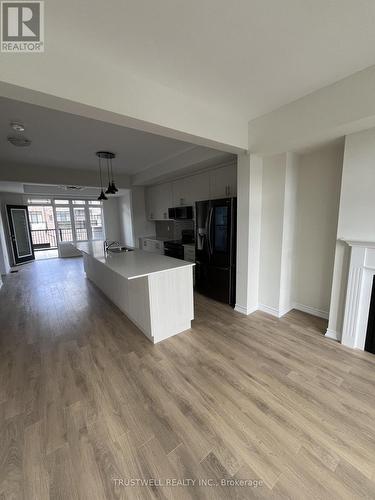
(120,249)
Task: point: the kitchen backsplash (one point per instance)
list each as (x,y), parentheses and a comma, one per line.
(172,229)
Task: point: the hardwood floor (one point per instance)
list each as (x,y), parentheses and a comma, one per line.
(86,401)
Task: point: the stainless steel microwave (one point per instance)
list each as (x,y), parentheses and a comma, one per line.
(180,213)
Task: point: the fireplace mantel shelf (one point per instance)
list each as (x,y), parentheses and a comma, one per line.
(358,243)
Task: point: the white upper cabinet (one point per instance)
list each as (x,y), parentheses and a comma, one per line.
(191,189)
(158,200)
(223,182)
(218,183)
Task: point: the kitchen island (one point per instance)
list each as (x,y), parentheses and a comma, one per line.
(154,291)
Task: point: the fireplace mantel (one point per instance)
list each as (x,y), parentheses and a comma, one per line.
(358,295)
(359,243)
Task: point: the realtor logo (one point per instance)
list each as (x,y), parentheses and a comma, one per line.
(22,26)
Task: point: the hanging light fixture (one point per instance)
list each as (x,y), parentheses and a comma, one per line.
(102,196)
(113,185)
(109,188)
(108,156)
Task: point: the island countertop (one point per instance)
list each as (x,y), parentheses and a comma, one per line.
(134,264)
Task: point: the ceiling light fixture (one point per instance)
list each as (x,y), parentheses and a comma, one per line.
(17,127)
(102,196)
(19,142)
(108,156)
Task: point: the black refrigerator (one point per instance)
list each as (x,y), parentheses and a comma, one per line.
(215,249)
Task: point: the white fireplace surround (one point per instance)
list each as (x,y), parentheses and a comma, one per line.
(358,295)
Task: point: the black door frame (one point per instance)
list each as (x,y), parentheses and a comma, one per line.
(16,258)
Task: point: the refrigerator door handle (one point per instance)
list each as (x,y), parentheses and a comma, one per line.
(209,231)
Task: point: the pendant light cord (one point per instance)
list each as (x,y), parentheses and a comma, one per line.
(109,180)
(111,171)
(100,173)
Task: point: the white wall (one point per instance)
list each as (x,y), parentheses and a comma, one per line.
(288,251)
(319,180)
(357,203)
(134,223)
(277,248)
(125,214)
(300,197)
(111,219)
(249,210)
(273,188)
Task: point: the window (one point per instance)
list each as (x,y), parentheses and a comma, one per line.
(36,217)
(65,220)
(96,222)
(80,223)
(64,224)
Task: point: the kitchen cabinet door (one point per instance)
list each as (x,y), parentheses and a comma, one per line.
(179,193)
(163,198)
(158,200)
(190,189)
(223,182)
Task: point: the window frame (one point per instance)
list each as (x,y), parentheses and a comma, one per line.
(82,203)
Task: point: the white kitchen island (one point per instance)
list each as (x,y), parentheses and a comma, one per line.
(154,291)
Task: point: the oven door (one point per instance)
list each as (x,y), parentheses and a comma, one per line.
(176,252)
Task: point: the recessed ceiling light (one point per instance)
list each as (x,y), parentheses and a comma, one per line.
(20,142)
(17,127)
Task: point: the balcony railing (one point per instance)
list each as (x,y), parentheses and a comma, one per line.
(46,238)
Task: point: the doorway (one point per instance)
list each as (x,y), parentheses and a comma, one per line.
(20,234)
(43,231)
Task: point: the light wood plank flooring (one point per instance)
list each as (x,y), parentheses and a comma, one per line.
(87,401)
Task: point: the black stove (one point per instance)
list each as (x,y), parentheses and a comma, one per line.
(174,248)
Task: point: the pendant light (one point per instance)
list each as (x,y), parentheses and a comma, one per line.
(102,196)
(110,190)
(113,185)
(108,156)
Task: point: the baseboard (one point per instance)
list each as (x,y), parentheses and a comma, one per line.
(311,310)
(245,310)
(331,334)
(279,313)
(269,310)
(284,311)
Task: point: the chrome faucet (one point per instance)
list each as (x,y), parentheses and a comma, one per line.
(108,244)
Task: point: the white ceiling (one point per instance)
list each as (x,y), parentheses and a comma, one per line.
(250,55)
(65,140)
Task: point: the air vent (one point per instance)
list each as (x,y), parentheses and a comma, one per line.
(73,188)
(19,142)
